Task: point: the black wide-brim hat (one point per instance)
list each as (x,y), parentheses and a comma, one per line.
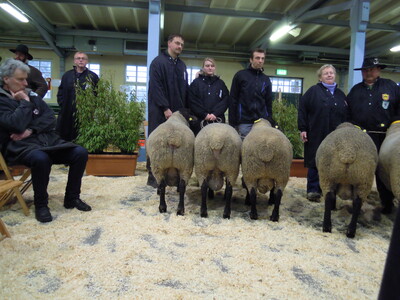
(371,62)
(23,49)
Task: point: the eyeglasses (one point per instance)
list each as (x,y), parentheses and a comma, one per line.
(80,58)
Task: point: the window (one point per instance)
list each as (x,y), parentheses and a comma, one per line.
(287,85)
(192,71)
(43,66)
(94,68)
(137,75)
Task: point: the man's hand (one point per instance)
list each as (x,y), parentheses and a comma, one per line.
(303,136)
(21,136)
(167,113)
(20,95)
(210,117)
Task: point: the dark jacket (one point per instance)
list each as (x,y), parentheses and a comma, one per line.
(374,109)
(168,86)
(36,82)
(319,114)
(17,116)
(208,95)
(251,97)
(66,97)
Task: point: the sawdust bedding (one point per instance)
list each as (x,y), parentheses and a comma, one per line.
(125,249)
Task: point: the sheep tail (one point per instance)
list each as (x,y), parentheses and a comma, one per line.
(174,141)
(347,155)
(266,153)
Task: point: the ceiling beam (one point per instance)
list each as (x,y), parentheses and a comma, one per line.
(45,29)
(323,11)
(104,34)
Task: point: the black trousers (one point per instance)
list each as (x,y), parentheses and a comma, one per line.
(40,163)
(390,286)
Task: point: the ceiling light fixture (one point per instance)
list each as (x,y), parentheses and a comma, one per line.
(395,48)
(14,12)
(281,32)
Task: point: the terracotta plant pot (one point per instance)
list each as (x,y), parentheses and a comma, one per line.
(111,164)
(297,169)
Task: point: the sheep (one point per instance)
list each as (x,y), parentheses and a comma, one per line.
(389,161)
(170,149)
(346,161)
(217,155)
(266,158)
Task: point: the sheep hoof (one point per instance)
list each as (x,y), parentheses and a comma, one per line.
(204,215)
(162,209)
(226,216)
(254,216)
(274,218)
(327,229)
(180,212)
(350,234)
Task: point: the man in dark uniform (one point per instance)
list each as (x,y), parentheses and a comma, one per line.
(168,87)
(66,95)
(35,79)
(374,104)
(251,95)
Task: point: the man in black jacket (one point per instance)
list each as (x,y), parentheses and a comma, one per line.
(28,136)
(66,96)
(168,87)
(35,79)
(251,95)
(374,104)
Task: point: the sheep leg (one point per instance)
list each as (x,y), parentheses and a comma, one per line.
(275,213)
(163,205)
(182,190)
(210,194)
(271,199)
(203,210)
(351,230)
(253,201)
(330,200)
(247,200)
(227,197)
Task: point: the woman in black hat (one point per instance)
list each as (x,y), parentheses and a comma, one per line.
(374,104)
(35,79)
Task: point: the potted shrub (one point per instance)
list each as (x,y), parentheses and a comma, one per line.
(285,114)
(109,128)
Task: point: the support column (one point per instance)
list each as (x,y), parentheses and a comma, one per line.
(359,18)
(156,25)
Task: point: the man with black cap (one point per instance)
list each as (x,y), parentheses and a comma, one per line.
(374,104)
(35,80)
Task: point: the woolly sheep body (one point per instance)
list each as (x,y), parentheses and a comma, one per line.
(346,162)
(389,160)
(266,159)
(217,155)
(170,148)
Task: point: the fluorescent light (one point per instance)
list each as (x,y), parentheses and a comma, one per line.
(395,48)
(15,13)
(281,32)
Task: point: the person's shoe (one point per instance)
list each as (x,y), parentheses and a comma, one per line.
(43,214)
(78,204)
(151,180)
(313,196)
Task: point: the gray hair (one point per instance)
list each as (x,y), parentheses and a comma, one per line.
(7,69)
(319,72)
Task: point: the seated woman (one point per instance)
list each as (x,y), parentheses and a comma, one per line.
(28,136)
(208,96)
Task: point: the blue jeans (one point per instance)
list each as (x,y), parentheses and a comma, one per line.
(40,163)
(244,130)
(313,181)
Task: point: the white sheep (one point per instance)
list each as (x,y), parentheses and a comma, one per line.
(266,158)
(389,161)
(170,148)
(217,156)
(346,162)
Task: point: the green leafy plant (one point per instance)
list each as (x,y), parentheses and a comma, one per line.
(107,119)
(285,114)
